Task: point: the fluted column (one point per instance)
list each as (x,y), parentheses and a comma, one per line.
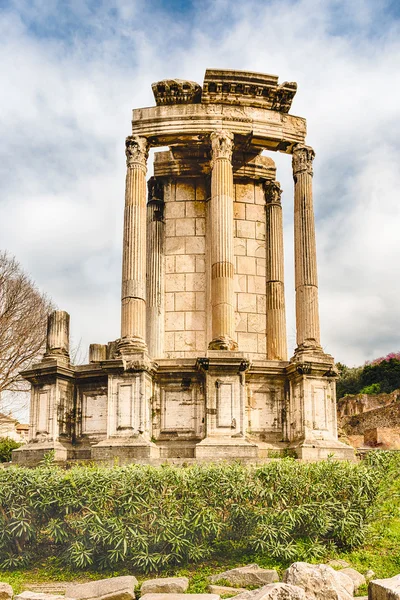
(306,281)
(222,270)
(276,316)
(133,310)
(155,270)
(57,341)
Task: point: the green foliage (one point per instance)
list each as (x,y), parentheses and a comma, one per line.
(158,518)
(6,447)
(349,380)
(374,388)
(381,375)
(385,373)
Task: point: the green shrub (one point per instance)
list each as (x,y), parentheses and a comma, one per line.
(6,447)
(151,518)
(374,388)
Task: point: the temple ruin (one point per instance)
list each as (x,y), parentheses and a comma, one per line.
(201,370)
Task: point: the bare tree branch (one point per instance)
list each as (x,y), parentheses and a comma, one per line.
(23,317)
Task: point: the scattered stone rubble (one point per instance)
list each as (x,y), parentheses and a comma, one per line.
(250,575)
(301,581)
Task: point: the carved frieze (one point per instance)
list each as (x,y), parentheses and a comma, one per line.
(176,91)
(251,89)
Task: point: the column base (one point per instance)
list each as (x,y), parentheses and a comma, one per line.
(309,347)
(124,450)
(223,342)
(223,448)
(313,450)
(131,345)
(34,452)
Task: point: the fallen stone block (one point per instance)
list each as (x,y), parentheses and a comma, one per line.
(180,597)
(338,563)
(54,587)
(346,582)
(28,595)
(357,578)
(384,589)
(6,591)
(247,575)
(115,588)
(274,591)
(320,582)
(169,585)
(224,589)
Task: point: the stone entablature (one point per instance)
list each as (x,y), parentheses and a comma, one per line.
(247,89)
(200,370)
(176,91)
(228,87)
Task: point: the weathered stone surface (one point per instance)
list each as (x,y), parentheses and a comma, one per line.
(54,587)
(384,589)
(370,574)
(274,591)
(170,585)
(28,595)
(320,582)
(247,575)
(167,596)
(338,563)
(6,591)
(357,578)
(224,589)
(115,588)
(346,582)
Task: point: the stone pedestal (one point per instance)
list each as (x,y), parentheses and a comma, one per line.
(52,398)
(312,421)
(130,390)
(225,415)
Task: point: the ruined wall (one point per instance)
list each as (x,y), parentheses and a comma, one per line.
(185,271)
(386,416)
(360,403)
(187,286)
(250,252)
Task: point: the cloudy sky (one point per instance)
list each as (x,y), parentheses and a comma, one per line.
(72,70)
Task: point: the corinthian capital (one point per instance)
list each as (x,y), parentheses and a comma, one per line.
(302,159)
(273,192)
(221,144)
(136,150)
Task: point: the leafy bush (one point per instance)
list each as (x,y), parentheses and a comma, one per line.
(6,446)
(374,388)
(151,518)
(383,373)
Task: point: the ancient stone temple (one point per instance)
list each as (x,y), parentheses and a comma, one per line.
(200,369)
